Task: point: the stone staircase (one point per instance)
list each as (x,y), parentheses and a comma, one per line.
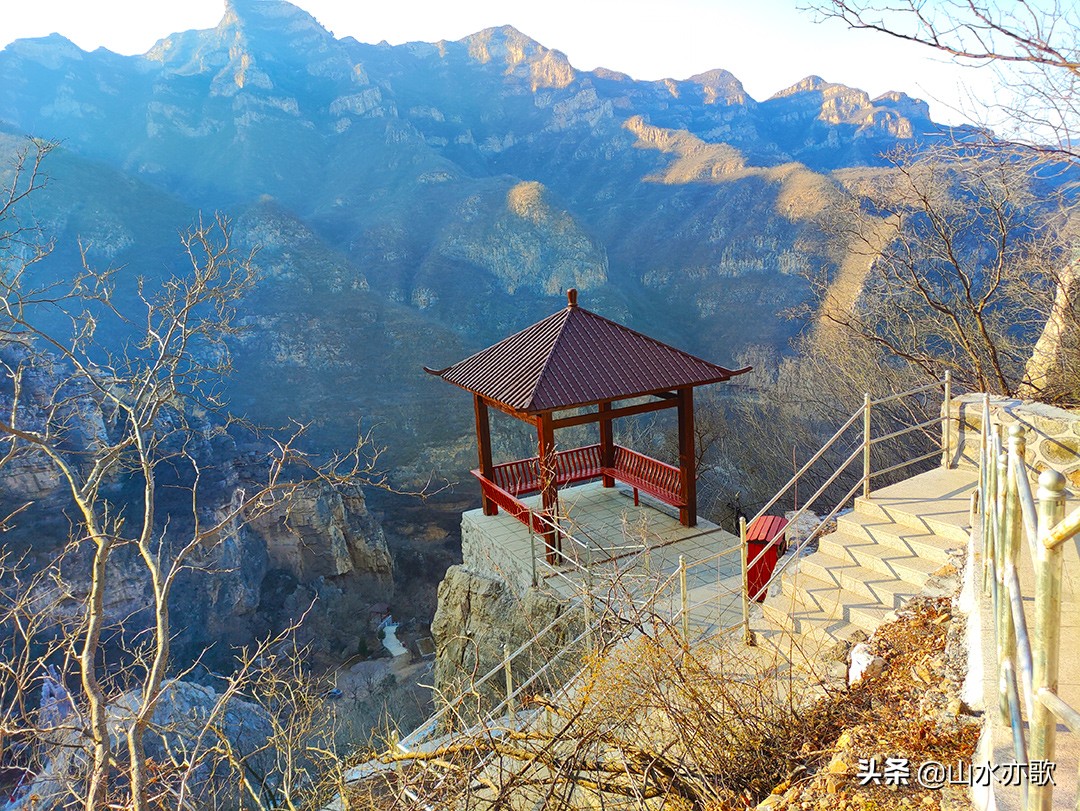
(882,554)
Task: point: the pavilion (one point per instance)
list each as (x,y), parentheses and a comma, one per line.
(576,359)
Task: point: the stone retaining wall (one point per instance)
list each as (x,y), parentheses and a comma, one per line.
(1053,434)
(484,551)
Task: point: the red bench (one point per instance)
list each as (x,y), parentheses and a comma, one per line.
(522,478)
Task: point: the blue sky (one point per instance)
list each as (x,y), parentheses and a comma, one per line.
(768,44)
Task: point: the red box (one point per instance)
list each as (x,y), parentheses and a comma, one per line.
(759,538)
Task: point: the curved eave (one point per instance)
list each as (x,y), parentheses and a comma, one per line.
(514,409)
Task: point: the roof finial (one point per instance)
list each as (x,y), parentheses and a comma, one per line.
(571,297)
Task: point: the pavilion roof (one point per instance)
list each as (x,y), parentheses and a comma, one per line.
(575,357)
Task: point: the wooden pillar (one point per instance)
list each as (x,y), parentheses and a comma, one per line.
(483,449)
(549,493)
(607,444)
(687,457)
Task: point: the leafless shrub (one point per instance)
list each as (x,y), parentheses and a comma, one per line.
(115,401)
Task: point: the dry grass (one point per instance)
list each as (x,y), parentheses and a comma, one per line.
(912,710)
(650,726)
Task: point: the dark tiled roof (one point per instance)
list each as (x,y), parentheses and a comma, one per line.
(575,357)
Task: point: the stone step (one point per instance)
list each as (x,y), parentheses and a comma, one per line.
(811,633)
(825,592)
(813,655)
(880,556)
(920,542)
(823,611)
(828,599)
(885,560)
(883,588)
(908,515)
(938,500)
(751,662)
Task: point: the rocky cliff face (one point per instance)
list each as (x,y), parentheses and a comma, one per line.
(179,723)
(326,557)
(479,619)
(455,187)
(326,533)
(258,577)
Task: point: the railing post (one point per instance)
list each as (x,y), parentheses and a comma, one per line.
(532,548)
(685,602)
(995,525)
(946,413)
(748,635)
(1010,552)
(866,446)
(509,680)
(1051,498)
(996,485)
(984,437)
(1001,604)
(588,609)
(986,496)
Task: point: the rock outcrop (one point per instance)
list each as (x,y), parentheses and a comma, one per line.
(1051,374)
(254,577)
(479,619)
(185,714)
(325,532)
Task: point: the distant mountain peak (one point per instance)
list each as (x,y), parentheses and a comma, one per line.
(904,104)
(49,51)
(720,85)
(506,44)
(251,45)
(890,114)
(612,75)
(507,31)
(503,41)
(273,8)
(272,16)
(810,83)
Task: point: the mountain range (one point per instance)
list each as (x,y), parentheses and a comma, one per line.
(411,204)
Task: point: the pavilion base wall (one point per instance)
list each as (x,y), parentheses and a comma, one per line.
(479,619)
(485,549)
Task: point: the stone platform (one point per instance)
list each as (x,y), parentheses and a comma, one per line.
(608,539)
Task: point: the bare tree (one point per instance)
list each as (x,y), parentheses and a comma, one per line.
(1033,44)
(101,393)
(961,254)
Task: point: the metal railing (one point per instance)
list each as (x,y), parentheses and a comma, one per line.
(1010,513)
(552,658)
(616,615)
(730,589)
(856,436)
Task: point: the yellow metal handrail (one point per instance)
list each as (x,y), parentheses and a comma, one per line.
(1009,512)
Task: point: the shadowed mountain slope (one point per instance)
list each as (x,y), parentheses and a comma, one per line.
(414,203)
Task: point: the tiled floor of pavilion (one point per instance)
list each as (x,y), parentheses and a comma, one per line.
(623,553)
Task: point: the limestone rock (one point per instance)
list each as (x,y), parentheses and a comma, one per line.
(527,242)
(864,664)
(323,532)
(478,617)
(179,724)
(1050,374)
